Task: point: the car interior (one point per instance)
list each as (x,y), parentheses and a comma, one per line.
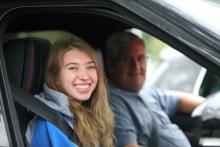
(26,44)
(29,55)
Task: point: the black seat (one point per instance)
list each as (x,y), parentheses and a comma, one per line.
(25,60)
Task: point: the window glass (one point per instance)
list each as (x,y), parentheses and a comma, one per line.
(169,69)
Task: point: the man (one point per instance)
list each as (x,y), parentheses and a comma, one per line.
(126,62)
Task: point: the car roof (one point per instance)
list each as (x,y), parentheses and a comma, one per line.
(85,25)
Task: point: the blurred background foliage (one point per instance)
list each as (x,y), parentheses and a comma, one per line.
(153,45)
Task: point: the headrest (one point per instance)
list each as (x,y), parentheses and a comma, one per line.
(25,58)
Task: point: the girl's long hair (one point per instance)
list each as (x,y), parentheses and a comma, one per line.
(93,118)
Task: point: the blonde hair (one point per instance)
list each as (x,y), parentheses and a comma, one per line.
(93,118)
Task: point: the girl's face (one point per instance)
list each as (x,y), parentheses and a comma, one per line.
(78,76)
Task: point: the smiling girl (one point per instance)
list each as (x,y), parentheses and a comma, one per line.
(75,88)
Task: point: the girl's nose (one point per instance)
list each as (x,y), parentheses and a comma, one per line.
(83,74)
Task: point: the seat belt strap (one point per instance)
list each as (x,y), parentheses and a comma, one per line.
(44,111)
(154,132)
(153,142)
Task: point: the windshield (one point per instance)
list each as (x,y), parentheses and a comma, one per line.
(204,12)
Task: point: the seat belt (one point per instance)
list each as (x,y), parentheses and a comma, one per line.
(153,142)
(31,103)
(154,132)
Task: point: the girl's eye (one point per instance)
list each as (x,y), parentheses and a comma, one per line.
(72,68)
(91,67)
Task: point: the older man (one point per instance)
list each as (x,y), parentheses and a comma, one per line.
(126,62)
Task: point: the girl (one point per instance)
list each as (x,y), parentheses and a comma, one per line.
(74,87)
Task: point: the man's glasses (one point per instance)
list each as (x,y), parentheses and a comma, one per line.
(142,59)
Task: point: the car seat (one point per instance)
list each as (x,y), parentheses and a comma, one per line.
(24,61)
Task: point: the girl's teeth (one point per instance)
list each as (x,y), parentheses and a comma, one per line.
(82,86)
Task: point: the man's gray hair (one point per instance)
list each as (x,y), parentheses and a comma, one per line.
(118,41)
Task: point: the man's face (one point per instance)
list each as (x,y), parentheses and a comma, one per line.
(129,71)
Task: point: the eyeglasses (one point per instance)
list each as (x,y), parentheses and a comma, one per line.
(142,59)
